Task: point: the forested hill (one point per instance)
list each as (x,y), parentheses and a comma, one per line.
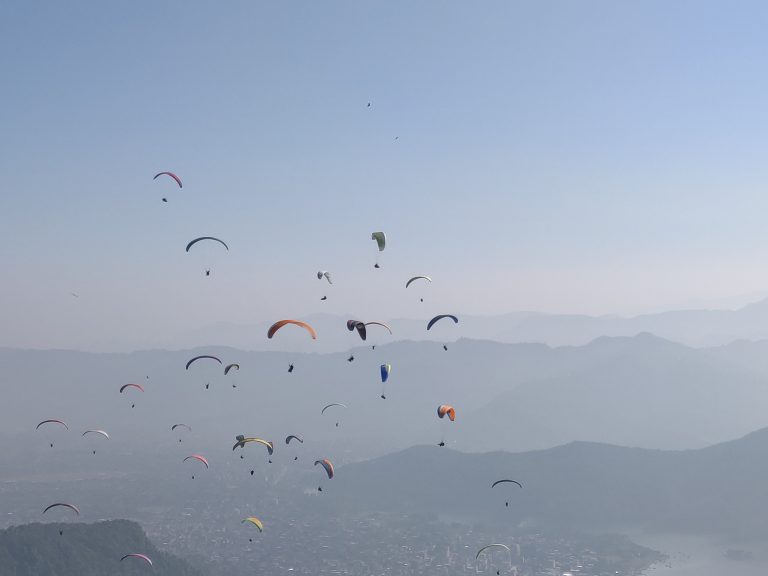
(84,550)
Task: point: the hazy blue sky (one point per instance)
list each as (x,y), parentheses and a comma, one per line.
(601,157)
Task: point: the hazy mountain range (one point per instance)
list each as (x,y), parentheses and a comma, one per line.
(719,489)
(640,391)
(696,328)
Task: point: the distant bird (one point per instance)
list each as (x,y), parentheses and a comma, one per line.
(290,368)
(351,358)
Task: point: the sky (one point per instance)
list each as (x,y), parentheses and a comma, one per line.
(594,157)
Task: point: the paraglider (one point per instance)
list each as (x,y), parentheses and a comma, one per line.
(442,411)
(199,459)
(353,325)
(486,549)
(384,369)
(412,280)
(293,437)
(203,357)
(228,368)
(138,387)
(290,368)
(279,324)
(63,505)
(52,421)
(381,242)
(180,426)
(139,556)
(208,239)
(170,175)
(100,432)
(326,464)
(331,405)
(437,319)
(506,481)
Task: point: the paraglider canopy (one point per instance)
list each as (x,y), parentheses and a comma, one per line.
(72,507)
(427,278)
(230,366)
(171,174)
(324,274)
(242,441)
(52,421)
(293,437)
(359,326)
(327,465)
(280,323)
(138,387)
(444,409)
(440,317)
(491,546)
(102,432)
(212,238)
(330,405)
(198,458)
(505,481)
(255,521)
(381,240)
(204,356)
(379,324)
(139,556)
